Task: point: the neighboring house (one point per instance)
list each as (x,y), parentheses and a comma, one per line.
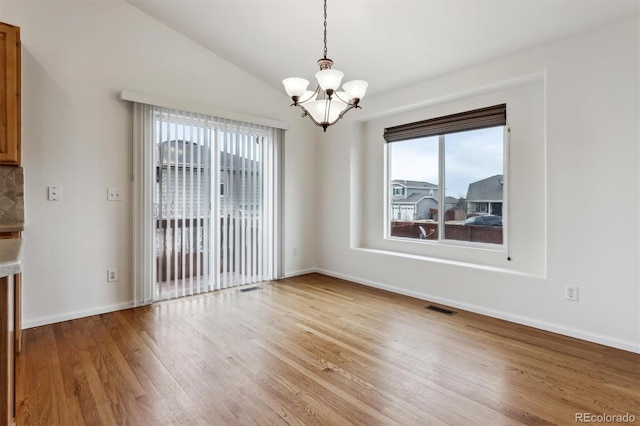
(450,203)
(183,184)
(413,200)
(455,208)
(485,196)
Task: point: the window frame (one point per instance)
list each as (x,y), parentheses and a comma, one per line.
(489,117)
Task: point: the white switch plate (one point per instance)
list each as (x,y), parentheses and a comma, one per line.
(114,194)
(55,193)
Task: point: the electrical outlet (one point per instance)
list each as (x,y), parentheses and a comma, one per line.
(571,293)
(114,194)
(112,275)
(294,252)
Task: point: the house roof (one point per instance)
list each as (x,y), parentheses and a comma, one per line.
(185,151)
(489,189)
(414,184)
(450,200)
(413,199)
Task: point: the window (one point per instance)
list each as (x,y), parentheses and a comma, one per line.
(223,180)
(398,191)
(456,162)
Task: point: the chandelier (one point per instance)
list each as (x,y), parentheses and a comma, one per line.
(326,105)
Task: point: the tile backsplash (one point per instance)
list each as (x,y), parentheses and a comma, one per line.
(11,194)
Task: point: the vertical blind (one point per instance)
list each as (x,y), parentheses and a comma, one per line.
(214,189)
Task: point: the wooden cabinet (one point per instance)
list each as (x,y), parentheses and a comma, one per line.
(17,308)
(7,351)
(10,337)
(10,83)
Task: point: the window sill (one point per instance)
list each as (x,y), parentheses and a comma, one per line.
(457,263)
(498,248)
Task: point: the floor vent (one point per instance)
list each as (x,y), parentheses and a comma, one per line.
(440,310)
(244,290)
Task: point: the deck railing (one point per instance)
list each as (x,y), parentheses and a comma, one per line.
(188,259)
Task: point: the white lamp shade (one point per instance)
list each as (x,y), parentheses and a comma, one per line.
(308,96)
(295,86)
(318,110)
(329,79)
(337,106)
(355,88)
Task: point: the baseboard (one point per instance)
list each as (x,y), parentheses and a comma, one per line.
(300,272)
(542,325)
(37,322)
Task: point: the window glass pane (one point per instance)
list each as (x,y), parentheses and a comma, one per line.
(413,192)
(474,179)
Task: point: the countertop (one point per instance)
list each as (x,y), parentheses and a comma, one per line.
(10,254)
(12,227)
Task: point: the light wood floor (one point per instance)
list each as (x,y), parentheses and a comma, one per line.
(314,350)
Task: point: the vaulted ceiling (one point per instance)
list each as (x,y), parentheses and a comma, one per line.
(390,43)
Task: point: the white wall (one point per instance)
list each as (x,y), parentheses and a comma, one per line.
(77,56)
(301,228)
(582,167)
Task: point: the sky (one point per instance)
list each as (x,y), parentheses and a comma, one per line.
(469,157)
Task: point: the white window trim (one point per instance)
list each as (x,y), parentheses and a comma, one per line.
(388,217)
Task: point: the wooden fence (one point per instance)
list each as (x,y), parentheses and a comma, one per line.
(458,232)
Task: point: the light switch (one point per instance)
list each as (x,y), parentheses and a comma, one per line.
(114,194)
(55,193)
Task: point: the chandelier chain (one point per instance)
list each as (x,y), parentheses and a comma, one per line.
(325,29)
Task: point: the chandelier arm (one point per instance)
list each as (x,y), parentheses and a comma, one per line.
(316,92)
(348,102)
(339,117)
(344,112)
(306,113)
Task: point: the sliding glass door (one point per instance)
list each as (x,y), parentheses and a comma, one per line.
(182,214)
(215,203)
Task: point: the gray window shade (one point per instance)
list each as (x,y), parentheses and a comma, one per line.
(461,122)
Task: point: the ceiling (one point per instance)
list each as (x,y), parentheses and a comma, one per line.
(389,43)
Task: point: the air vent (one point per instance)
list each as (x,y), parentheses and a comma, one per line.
(244,290)
(440,310)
